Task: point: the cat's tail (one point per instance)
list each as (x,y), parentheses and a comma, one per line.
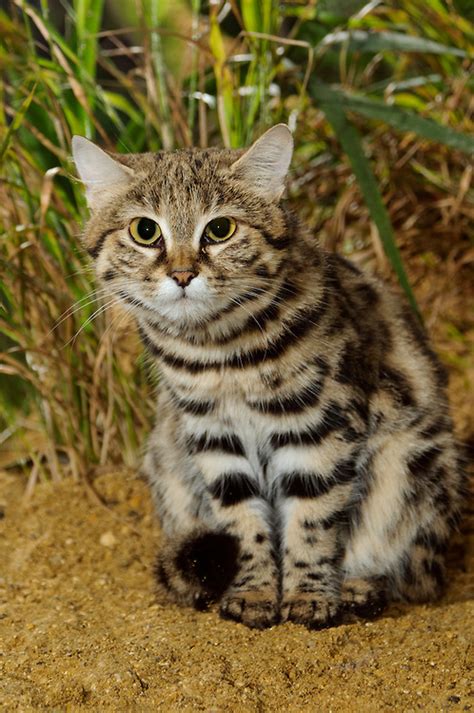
(197,569)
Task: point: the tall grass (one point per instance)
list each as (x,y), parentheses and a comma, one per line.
(344,74)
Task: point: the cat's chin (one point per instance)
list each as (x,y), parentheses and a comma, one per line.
(192,306)
(185,312)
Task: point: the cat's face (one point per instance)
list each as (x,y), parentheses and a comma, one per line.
(180,236)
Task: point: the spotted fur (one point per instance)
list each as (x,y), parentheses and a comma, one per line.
(302,462)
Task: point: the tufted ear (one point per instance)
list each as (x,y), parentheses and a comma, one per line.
(265,164)
(100,173)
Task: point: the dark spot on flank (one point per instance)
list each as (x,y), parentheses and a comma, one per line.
(432,541)
(435,429)
(211,560)
(260,538)
(443,500)
(355,369)
(366,294)
(420,337)
(301,565)
(348,264)
(420,464)
(329,561)
(315,576)
(337,518)
(109,275)
(246,557)
(398,385)
(433,569)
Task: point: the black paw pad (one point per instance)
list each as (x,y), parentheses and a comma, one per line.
(211,561)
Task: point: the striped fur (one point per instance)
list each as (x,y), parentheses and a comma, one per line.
(302,461)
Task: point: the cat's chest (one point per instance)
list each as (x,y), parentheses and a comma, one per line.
(231,394)
(228,388)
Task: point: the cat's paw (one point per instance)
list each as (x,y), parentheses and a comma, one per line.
(311,610)
(364,598)
(197,569)
(255,609)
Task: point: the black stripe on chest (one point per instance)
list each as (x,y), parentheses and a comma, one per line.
(292,333)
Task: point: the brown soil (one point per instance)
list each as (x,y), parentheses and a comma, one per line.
(81,625)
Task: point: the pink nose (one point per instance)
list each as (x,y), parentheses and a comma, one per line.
(182,277)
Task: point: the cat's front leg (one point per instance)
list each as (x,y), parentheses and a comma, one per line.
(313,499)
(240,511)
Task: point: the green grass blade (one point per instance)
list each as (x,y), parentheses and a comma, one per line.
(88,22)
(16,123)
(400,119)
(363,41)
(251,16)
(351,143)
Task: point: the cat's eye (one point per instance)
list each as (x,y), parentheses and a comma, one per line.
(219,229)
(145,231)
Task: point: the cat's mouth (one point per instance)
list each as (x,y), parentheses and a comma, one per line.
(193,303)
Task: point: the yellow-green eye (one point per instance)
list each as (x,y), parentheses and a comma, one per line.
(145,231)
(220,229)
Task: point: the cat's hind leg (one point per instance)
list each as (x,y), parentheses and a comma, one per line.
(406,512)
(364,598)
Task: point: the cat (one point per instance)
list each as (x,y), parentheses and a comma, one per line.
(302,463)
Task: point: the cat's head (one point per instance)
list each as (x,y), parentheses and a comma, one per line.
(184,234)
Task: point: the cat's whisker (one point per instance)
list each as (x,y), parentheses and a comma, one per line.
(81,304)
(103,308)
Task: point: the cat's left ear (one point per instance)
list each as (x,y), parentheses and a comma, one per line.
(265,164)
(100,173)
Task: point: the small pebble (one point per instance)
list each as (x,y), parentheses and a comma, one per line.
(108,539)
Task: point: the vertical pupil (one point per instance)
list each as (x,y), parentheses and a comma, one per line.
(220,227)
(146,228)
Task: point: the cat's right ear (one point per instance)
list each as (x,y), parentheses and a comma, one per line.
(101,174)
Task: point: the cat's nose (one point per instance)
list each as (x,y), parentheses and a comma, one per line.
(183,277)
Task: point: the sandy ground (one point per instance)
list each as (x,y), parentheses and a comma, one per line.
(81,626)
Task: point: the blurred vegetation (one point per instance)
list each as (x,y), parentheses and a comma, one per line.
(379,95)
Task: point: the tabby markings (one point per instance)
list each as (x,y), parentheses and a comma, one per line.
(228,443)
(95,250)
(233,488)
(301,484)
(294,331)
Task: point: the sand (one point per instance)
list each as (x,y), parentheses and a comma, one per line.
(81,625)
